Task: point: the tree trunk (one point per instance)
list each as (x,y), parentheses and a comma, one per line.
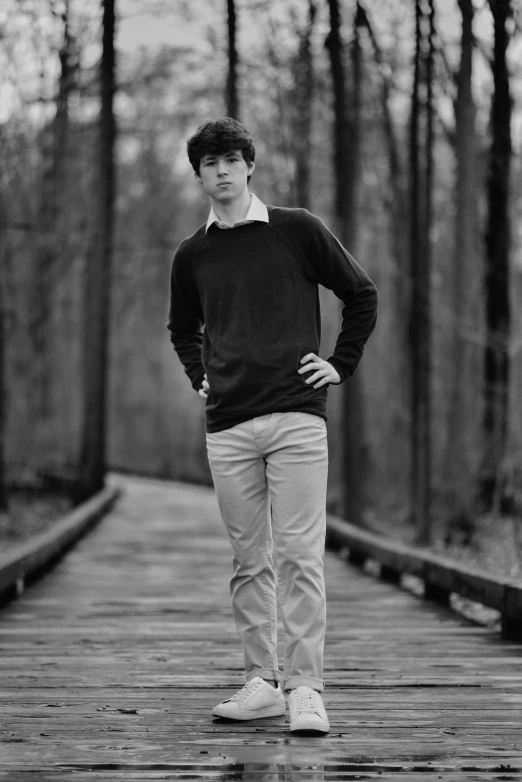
(4,500)
(54,144)
(97,283)
(421,167)
(497,262)
(346,167)
(396,202)
(284,148)
(396,205)
(304,89)
(61,129)
(232,100)
(425,531)
(340,130)
(459,471)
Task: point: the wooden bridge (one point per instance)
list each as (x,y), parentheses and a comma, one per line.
(110,667)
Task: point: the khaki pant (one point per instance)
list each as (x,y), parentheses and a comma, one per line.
(270,475)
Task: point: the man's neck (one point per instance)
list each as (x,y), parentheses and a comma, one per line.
(234,212)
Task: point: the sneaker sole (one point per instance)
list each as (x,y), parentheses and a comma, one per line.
(270,711)
(312,726)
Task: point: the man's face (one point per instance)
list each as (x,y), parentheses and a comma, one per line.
(224,177)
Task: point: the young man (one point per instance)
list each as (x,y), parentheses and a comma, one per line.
(245,322)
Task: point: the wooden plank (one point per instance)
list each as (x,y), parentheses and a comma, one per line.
(109,668)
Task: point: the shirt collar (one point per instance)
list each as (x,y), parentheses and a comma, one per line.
(257,211)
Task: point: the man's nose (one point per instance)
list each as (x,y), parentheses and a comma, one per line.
(222,167)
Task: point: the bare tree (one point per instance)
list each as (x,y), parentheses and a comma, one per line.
(4,499)
(421,175)
(54,146)
(459,451)
(232,99)
(396,203)
(97,282)
(497,260)
(346,160)
(304,88)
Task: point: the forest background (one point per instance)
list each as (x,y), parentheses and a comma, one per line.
(398,123)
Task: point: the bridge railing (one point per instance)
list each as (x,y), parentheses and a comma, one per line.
(26,562)
(441,576)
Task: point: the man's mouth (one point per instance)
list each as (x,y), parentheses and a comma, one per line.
(224,184)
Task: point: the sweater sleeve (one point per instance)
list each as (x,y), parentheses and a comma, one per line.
(329,264)
(186,322)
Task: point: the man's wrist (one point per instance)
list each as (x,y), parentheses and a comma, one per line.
(341,372)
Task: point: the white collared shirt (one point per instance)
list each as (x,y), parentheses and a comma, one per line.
(256,211)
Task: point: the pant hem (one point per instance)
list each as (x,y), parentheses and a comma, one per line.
(264,673)
(292,682)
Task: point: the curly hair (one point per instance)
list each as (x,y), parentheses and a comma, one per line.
(218,138)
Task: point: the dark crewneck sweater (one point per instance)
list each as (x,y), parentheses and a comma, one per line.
(244,309)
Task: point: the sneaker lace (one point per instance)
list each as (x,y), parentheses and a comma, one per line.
(249,688)
(307,702)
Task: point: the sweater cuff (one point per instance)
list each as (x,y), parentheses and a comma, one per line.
(196,385)
(342,373)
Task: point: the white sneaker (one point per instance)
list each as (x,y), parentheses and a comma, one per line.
(307,710)
(256,699)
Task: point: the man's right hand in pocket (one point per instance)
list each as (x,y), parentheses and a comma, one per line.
(205,388)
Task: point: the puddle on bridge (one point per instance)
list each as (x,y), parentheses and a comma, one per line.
(319,770)
(273,771)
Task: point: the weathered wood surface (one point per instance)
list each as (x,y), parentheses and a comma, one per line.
(110,666)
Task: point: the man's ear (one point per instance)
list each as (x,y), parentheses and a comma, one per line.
(197,176)
(251,168)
